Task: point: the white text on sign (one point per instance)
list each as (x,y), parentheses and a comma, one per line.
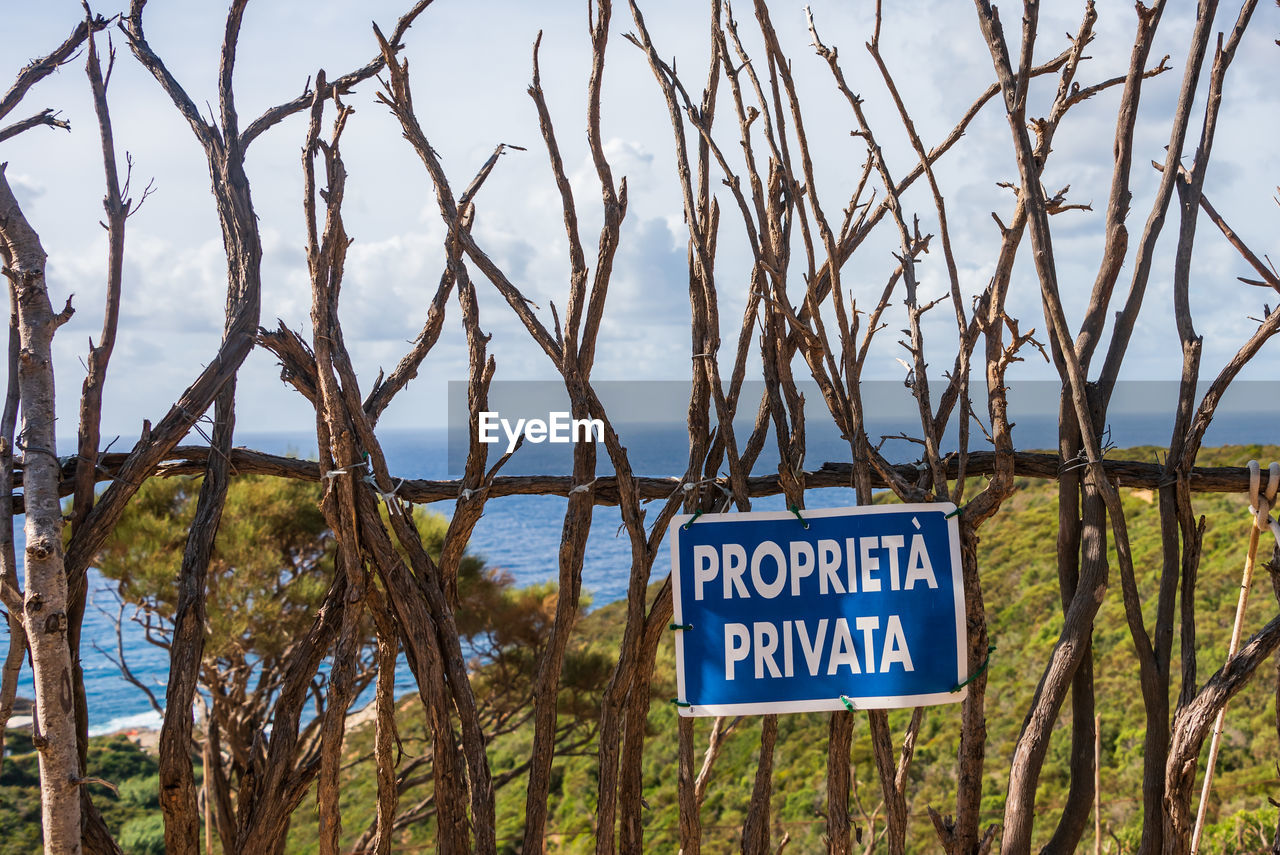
(860,565)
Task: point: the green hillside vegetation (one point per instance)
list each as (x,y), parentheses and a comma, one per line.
(132,814)
(1021,592)
(1020,587)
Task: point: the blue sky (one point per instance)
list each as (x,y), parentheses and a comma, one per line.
(470,65)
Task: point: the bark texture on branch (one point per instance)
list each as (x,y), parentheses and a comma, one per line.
(1130,474)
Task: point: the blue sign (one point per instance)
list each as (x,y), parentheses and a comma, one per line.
(848,607)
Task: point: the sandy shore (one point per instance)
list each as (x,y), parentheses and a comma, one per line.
(148,738)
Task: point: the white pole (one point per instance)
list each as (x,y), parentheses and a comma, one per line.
(1261,520)
(1097,785)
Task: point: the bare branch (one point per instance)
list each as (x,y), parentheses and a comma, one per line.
(45,117)
(339,85)
(38,69)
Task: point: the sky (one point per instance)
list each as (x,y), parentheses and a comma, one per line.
(470,66)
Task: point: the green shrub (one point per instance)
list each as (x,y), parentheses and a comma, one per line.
(143,836)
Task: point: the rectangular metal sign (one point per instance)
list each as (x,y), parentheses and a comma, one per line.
(858,607)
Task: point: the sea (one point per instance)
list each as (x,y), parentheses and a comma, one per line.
(521,534)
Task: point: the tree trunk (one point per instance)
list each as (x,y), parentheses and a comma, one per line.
(755,831)
(1077,546)
(45,607)
(1074,644)
(346,656)
(385,735)
(631,801)
(895,802)
(186,651)
(577,524)
(690,823)
(973,728)
(839,821)
(10,593)
(1192,724)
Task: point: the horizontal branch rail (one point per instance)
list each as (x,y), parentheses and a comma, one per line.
(191,460)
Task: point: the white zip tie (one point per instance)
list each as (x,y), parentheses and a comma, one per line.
(582,488)
(386,497)
(690,486)
(334,473)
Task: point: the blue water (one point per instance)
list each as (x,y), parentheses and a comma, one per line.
(521,534)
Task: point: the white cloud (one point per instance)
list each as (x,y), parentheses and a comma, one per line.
(470,93)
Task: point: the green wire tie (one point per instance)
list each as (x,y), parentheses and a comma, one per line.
(680,703)
(848,704)
(696,514)
(957,512)
(795,510)
(976,674)
(676,627)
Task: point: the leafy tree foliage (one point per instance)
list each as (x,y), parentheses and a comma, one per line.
(271,568)
(268,575)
